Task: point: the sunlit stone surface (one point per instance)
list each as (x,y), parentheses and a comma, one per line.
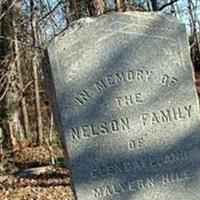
(124,99)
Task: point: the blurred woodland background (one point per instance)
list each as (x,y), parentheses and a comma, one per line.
(26,28)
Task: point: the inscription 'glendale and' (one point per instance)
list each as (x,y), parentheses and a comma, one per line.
(123,95)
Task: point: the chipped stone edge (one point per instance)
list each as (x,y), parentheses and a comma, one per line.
(51,95)
(76,25)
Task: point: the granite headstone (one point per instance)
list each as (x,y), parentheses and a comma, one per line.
(123,94)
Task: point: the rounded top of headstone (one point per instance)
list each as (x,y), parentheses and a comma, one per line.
(115,21)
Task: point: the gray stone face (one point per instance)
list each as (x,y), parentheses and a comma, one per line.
(124,98)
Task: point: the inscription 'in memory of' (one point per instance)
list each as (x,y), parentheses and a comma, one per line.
(112,80)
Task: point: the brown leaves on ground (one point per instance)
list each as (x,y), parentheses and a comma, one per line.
(28,157)
(51,184)
(37,193)
(53,177)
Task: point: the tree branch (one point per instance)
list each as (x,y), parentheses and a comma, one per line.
(8,9)
(167,4)
(5,91)
(50,11)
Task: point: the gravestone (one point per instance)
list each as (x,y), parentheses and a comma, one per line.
(123,95)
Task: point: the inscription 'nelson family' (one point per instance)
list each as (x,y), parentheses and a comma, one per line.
(123,124)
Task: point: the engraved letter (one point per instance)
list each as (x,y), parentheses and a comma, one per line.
(144,118)
(83,97)
(129,100)
(97,192)
(165,179)
(150,182)
(154,119)
(94,173)
(148,75)
(138,98)
(85,131)
(107,191)
(125,124)
(166,117)
(130,75)
(75,134)
(114,125)
(104,128)
(110,80)
(139,75)
(140,184)
(135,144)
(165,80)
(100,86)
(188,109)
(131,186)
(119,101)
(120,77)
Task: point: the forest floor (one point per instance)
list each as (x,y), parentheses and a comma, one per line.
(48,183)
(45,182)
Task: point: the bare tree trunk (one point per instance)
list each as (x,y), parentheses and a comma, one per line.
(154,5)
(96,7)
(16,127)
(51,128)
(194,32)
(12,108)
(74,10)
(100,7)
(12,123)
(25,119)
(120,5)
(149,5)
(37,101)
(35,73)
(21,84)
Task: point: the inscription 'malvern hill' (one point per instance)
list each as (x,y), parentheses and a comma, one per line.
(126,106)
(143,184)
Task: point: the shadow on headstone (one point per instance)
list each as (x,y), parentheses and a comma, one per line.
(126,107)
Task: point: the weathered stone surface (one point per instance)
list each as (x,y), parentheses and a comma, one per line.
(123,92)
